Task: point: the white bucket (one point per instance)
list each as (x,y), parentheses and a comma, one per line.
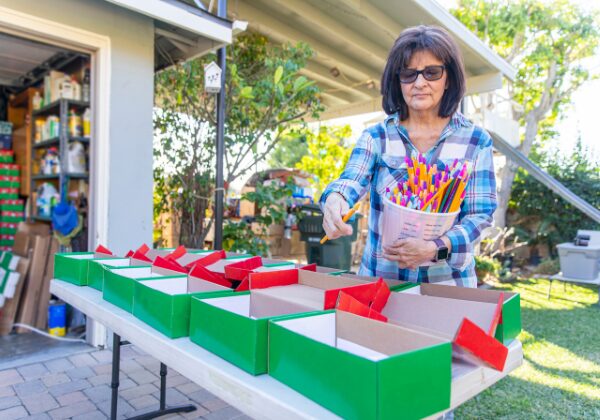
(400,222)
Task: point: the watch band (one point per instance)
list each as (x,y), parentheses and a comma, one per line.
(440,244)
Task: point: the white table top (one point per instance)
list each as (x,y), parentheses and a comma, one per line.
(258,396)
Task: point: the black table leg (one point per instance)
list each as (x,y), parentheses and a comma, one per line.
(162,410)
(116,361)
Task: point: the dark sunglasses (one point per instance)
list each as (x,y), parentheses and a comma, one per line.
(430,73)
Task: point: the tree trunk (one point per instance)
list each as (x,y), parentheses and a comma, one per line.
(508,172)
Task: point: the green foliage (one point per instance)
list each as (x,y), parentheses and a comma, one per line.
(266,98)
(548,267)
(553,219)
(327,155)
(486,266)
(289,151)
(271,200)
(239,237)
(545,41)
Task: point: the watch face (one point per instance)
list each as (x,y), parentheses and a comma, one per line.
(442,253)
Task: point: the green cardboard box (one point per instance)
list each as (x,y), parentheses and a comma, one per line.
(360,368)
(72,267)
(233,325)
(119,283)
(221,323)
(96,269)
(164,304)
(510,322)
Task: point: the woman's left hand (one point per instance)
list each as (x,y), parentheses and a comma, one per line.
(410,252)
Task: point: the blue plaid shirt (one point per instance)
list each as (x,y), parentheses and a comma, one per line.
(377,162)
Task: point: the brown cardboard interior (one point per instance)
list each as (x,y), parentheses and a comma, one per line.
(382,337)
(324,281)
(367,338)
(160,272)
(369,279)
(295,298)
(190,258)
(307,295)
(437,315)
(219,266)
(153,253)
(244,305)
(280,266)
(464,293)
(196,284)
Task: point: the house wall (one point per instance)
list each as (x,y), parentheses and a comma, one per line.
(131,100)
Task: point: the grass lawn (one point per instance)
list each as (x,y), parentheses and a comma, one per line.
(560,375)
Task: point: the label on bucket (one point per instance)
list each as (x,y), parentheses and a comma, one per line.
(400,222)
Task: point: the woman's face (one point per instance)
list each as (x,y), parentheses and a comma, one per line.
(423,95)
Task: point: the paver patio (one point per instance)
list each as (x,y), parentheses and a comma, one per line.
(78,387)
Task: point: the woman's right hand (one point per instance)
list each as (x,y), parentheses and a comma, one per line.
(335,208)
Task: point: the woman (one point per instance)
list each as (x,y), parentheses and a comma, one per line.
(422,86)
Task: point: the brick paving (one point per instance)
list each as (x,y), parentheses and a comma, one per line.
(78,387)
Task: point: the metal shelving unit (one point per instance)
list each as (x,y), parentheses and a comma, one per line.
(61,108)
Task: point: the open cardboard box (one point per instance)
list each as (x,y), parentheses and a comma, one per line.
(233,325)
(119,283)
(97,267)
(73,267)
(509,325)
(360,368)
(470,325)
(208,272)
(200,279)
(298,290)
(164,304)
(240,270)
(394,285)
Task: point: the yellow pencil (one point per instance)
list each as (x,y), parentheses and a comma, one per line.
(456,202)
(344,219)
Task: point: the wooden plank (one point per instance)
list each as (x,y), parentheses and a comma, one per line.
(42,313)
(29,307)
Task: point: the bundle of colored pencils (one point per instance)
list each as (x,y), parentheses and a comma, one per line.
(431,189)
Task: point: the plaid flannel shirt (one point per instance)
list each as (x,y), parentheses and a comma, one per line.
(377,161)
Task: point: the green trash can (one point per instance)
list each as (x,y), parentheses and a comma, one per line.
(335,253)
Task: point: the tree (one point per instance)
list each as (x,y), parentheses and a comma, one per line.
(531,200)
(545,41)
(272,201)
(327,155)
(289,151)
(266,100)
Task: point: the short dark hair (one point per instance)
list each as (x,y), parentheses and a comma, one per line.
(423,38)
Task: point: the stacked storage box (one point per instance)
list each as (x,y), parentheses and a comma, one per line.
(12,210)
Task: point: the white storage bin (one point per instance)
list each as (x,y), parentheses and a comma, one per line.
(579,262)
